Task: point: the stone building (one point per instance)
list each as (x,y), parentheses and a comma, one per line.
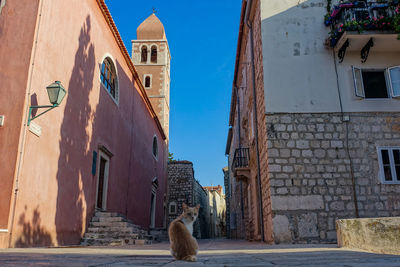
(217,206)
(225,170)
(102,148)
(314,130)
(184,188)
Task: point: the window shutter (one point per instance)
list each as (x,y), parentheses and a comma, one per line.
(358,82)
(394,80)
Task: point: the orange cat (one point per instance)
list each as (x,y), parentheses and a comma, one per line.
(183,245)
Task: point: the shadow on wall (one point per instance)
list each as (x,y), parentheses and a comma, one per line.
(32,233)
(74,165)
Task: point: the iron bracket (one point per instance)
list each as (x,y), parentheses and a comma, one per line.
(365,50)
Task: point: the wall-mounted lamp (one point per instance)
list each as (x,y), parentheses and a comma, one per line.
(56,94)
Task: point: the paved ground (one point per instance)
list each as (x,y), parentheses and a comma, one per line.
(212,253)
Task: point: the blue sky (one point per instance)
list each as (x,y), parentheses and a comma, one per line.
(202,36)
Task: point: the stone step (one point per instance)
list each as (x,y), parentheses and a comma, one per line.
(113,235)
(105,214)
(111,230)
(109,224)
(107,219)
(102,242)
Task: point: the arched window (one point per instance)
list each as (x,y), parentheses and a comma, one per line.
(153,54)
(147,82)
(155,147)
(144,54)
(108,77)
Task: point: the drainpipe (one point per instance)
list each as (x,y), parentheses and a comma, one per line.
(24,125)
(260,206)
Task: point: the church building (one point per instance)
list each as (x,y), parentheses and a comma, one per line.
(101,144)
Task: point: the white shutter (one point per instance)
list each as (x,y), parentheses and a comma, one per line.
(394,80)
(358,82)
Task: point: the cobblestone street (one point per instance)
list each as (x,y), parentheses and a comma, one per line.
(212,253)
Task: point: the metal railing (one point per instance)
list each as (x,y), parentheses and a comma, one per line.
(368,14)
(362,16)
(241,158)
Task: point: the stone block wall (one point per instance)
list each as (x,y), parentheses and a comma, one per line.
(310,166)
(180,186)
(184,188)
(201,225)
(227,201)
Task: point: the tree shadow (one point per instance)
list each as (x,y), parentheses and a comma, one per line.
(74,171)
(32,233)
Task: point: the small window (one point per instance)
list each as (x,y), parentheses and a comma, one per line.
(147,82)
(173,208)
(375,84)
(155,147)
(144,55)
(389,164)
(108,77)
(153,54)
(394,75)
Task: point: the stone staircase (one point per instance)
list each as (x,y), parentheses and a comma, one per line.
(113,229)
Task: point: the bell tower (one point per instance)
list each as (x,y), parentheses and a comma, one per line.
(151,57)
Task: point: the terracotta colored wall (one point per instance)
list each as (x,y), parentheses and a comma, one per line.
(57,189)
(251,198)
(262,128)
(15,55)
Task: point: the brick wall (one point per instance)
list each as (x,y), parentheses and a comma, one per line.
(262,130)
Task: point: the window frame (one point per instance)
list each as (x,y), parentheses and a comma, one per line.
(391,81)
(173,203)
(2,4)
(145,76)
(116,80)
(391,162)
(155,140)
(360,92)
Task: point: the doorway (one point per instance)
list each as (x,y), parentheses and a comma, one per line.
(153,208)
(102,181)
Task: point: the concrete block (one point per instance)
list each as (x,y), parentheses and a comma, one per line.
(381,235)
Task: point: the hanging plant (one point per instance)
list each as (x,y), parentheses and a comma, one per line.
(396,21)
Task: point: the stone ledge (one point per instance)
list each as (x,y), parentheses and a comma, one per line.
(381,235)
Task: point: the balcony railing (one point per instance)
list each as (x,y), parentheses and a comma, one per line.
(241,158)
(361,16)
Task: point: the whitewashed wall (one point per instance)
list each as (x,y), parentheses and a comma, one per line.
(299,72)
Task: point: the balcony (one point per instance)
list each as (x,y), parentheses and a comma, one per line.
(360,25)
(240,164)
